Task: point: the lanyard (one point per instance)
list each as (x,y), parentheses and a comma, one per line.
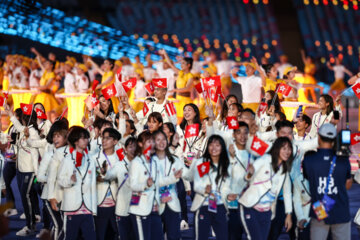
(122,183)
(186,141)
(269,178)
(318,125)
(107,159)
(304,136)
(332,166)
(248,164)
(221,181)
(144,162)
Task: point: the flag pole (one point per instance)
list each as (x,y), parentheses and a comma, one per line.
(346,89)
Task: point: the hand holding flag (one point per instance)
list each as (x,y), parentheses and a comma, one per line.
(259,146)
(26,108)
(120,154)
(40,114)
(129,84)
(232,122)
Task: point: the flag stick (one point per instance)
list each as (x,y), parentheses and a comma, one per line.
(346,89)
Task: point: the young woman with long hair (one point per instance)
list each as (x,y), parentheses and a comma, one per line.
(211,186)
(267,176)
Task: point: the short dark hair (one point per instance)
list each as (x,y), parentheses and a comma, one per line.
(326,139)
(106,122)
(76,133)
(129,141)
(189,61)
(281,124)
(113,133)
(238,105)
(307,119)
(60,126)
(249,111)
(242,124)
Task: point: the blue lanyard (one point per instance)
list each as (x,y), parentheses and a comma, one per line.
(107,159)
(332,166)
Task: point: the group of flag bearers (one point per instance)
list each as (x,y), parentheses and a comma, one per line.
(109,179)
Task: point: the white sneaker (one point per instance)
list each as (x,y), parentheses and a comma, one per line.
(10,212)
(212,232)
(42,233)
(37,217)
(25,232)
(184,225)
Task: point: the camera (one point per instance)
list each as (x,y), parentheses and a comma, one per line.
(343,141)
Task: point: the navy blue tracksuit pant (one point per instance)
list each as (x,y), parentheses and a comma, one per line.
(148,227)
(79,224)
(125,228)
(57,220)
(9,174)
(182,198)
(204,220)
(235,225)
(28,196)
(105,223)
(256,224)
(277,224)
(171,222)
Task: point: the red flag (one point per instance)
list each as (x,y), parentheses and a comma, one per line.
(259,146)
(192,130)
(284,89)
(129,84)
(150,88)
(203,168)
(6,94)
(109,92)
(199,88)
(120,154)
(118,74)
(78,159)
(170,109)
(40,114)
(94,85)
(214,95)
(145,109)
(2,101)
(355,138)
(262,107)
(160,82)
(211,82)
(91,101)
(232,122)
(356,89)
(147,153)
(26,108)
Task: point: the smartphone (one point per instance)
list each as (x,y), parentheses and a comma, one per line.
(299,111)
(336,114)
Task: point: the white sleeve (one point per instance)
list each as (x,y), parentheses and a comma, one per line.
(134,176)
(287,194)
(65,172)
(43,168)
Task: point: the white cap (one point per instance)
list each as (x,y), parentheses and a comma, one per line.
(327,130)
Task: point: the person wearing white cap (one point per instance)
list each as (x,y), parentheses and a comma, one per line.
(329,178)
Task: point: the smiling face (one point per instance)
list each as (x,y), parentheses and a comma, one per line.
(241,135)
(233,111)
(322,103)
(249,70)
(184,65)
(107,65)
(273,72)
(104,104)
(285,152)
(215,149)
(131,149)
(153,124)
(189,113)
(160,142)
(59,139)
(301,124)
(232,100)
